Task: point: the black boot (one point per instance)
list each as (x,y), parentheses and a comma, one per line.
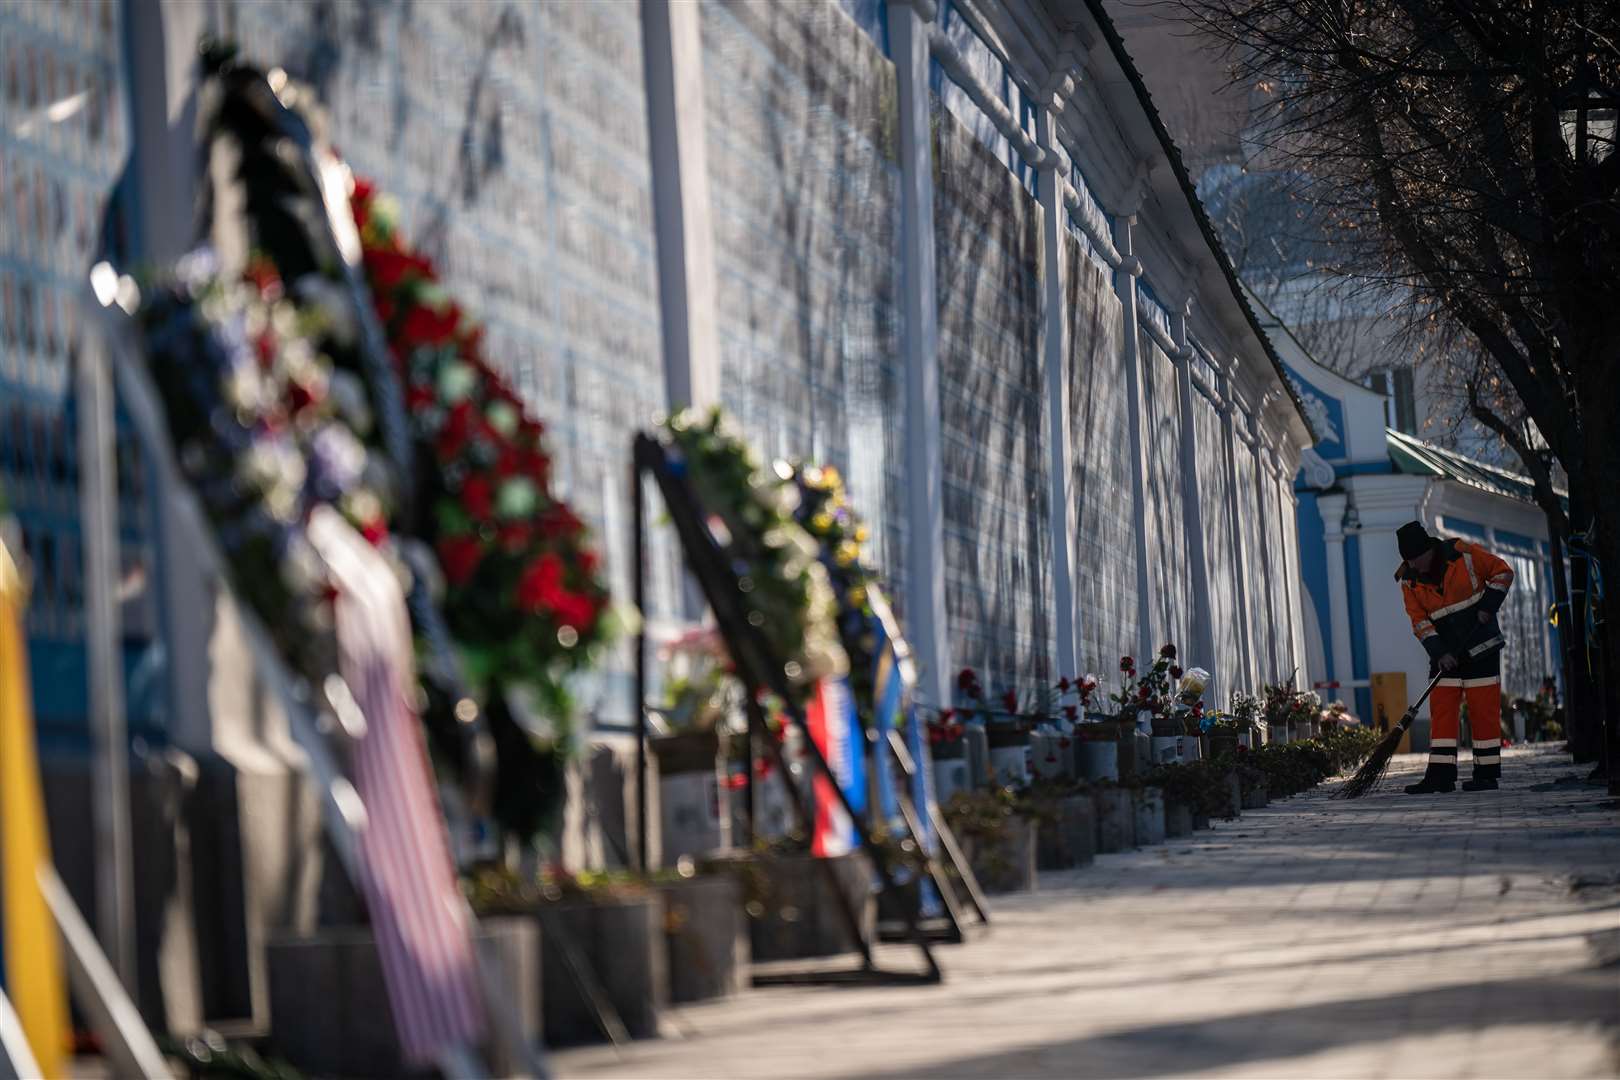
(1437,779)
(1480,783)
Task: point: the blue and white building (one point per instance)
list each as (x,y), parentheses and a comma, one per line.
(1360,483)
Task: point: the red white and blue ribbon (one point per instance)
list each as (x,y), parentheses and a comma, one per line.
(419,919)
(837,733)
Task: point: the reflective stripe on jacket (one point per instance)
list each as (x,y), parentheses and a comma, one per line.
(1445,613)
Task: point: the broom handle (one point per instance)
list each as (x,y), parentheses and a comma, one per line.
(1411,713)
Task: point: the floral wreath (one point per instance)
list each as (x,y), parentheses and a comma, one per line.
(524,597)
(789,595)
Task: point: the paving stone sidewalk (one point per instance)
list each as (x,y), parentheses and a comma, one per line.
(1470,935)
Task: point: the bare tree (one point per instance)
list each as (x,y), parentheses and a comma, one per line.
(1430,136)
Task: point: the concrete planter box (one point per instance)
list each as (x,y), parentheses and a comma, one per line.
(1255,799)
(1148,807)
(1071,840)
(622,939)
(329,1011)
(1178,820)
(1116,820)
(1007,863)
(793,914)
(1200,821)
(1234,793)
(706,935)
(1098,760)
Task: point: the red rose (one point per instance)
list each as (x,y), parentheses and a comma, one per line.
(587,563)
(1126,663)
(419,397)
(460,557)
(737,781)
(516,536)
(375,531)
(559,521)
(945,715)
(968,682)
(540,584)
(388,268)
(1175,671)
(457,430)
(1063,685)
(1168,651)
(575,609)
(478,497)
(1009,701)
(1072,712)
(424,326)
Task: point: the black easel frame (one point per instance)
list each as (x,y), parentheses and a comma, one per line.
(758,671)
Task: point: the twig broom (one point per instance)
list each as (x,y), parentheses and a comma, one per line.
(1372,770)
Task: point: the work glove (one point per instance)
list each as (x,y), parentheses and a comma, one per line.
(1448,662)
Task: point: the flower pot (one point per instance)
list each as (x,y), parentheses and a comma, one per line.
(949,778)
(621,938)
(1005,863)
(1099,760)
(1200,821)
(1189,748)
(792,911)
(1234,793)
(1135,752)
(1009,765)
(1255,798)
(1148,806)
(1166,749)
(1116,820)
(1178,820)
(345,1027)
(706,937)
(1071,840)
(693,809)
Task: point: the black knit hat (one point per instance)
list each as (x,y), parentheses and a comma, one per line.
(1413,539)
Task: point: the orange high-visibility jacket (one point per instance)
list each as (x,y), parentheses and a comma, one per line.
(1445,615)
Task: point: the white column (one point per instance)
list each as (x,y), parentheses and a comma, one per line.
(1332,508)
(1287,579)
(1235,508)
(1060,459)
(1266,656)
(672,50)
(926,624)
(1192,509)
(1130,268)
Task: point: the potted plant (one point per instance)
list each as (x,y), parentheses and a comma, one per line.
(611,922)
(1000,842)
(1065,818)
(1115,816)
(948,746)
(789,897)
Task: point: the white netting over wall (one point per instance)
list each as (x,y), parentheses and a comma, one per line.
(1169,573)
(1526,660)
(1279,524)
(1220,546)
(1248,509)
(1100,439)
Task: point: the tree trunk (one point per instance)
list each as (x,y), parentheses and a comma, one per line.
(1584,706)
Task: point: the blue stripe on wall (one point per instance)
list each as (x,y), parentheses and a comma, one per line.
(1358,626)
(1313,570)
(1465,528)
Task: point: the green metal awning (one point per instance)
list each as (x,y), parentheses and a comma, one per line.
(1418,458)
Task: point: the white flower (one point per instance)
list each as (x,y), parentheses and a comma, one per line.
(516,498)
(503,417)
(456,382)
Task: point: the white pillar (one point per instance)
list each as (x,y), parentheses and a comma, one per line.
(1235,508)
(926,624)
(1130,268)
(1192,509)
(1332,508)
(672,51)
(1056,359)
(1264,653)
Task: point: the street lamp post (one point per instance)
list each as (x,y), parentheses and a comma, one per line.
(1587,111)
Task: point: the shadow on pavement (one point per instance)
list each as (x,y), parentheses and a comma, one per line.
(1580,997)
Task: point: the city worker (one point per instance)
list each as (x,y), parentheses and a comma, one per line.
(1453,589)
